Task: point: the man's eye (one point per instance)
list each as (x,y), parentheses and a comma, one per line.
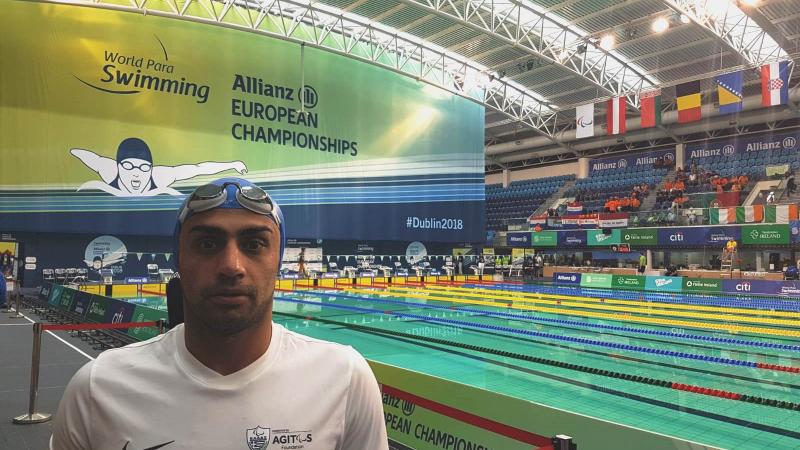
(254,245)
(206,244)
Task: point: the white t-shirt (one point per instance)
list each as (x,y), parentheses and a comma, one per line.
(302,394)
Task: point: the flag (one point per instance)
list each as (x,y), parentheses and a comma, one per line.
(688,95)
(780,213)
(615,114)
(749,214)
(584,121)
(729,89)
(650,106)
(736,214)
(775,84)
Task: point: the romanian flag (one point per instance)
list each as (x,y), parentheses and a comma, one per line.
(688,95)
(736,214)
(650,106)
(780,213)
(729,89)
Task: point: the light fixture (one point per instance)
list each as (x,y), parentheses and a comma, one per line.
(660,25)
(607,42)
(685,19)
(749,2)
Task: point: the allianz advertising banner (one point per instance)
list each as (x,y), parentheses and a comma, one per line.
(664,284)
(744,145)
(617,163)
(109,118)
(518,239)
(567,278)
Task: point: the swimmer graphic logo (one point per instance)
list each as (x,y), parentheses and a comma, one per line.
(132,173)
(257,438)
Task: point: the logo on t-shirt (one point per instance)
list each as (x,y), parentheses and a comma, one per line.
(155,447)
(257,438)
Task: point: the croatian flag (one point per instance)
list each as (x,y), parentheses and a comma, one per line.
(775,84)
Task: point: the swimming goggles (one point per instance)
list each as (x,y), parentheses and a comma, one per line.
(210,196)
(127,165)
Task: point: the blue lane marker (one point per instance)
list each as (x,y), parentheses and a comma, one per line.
(634,348)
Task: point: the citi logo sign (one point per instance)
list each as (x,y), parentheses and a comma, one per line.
(743,287)
(677,237)
(728,150)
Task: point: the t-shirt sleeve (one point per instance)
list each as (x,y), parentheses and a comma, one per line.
(71,422)
(364,428)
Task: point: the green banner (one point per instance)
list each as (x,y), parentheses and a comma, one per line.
(640,236)
(117,111)
(596,238)
(67,297)
(597,280)
(635,282)
(54,298)
(544,239)
(702,285)
(97,309)
(765,234)
(145,314)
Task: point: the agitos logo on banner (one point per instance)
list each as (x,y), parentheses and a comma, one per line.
(132,74)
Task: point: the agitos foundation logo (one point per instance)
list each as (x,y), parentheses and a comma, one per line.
(132,74)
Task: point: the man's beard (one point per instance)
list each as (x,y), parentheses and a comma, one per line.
(232,321)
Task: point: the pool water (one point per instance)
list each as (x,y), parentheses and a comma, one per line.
(623,357)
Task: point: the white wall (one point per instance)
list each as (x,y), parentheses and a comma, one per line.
(535,172)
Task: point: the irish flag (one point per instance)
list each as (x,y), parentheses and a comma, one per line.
(736,214)
(780,213)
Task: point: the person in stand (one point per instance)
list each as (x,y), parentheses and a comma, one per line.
(642,263)
(228,374)
(771,198)
(3,293)
(301,264)
(460,265)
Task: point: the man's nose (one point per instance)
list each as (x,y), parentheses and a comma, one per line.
(231,261)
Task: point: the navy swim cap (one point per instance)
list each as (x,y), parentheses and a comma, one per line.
(231,202)
(133,148)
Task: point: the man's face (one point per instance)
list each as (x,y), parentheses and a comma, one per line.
(135,174)
(228,265)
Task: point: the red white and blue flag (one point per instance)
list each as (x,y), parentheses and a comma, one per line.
(775,84)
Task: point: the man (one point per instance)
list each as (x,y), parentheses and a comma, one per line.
(642,263)
(227,378)
(539,266)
